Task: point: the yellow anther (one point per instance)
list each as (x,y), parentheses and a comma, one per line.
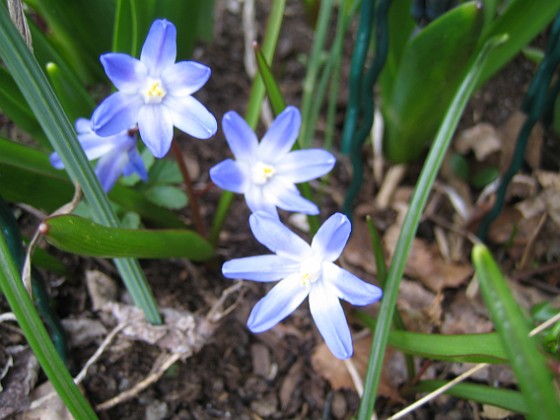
(262,172)
(154,93)
(310,270)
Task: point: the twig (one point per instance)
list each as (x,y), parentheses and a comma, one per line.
(437,392)
(142,385)
(80,377)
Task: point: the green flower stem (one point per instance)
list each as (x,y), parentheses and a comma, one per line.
(254,106)
(410,226)
(42,100)
(310,94)
(38,338)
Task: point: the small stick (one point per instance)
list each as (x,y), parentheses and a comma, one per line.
(142,385)
(193,201)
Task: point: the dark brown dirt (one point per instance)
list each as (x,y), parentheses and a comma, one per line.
(226,379)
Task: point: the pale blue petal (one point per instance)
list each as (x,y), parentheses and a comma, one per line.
(95,146)
(305,165)
(190,116)
(331,238)
(331,322)
(280,302)
(185,78)
(256,201)
(349,287)
(281,136)
(277,237)
(160,49)
(260,268)
(156,129)
(55,161)
(109,168)
(287,197)
(240,137)
(127,73)
(116,113)
(83,125)
(231,176)
(135,165)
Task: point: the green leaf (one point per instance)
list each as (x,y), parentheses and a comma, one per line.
(164,171)
(274,94)
(432,66)
(83,237)
(28,177)
(410,226)
(125,33)
(528,364)
(167,196)
(82,30)
(522,20)
(73,97)
(14,106)
(38,338)
(464,348)
(505,398)
(186,15)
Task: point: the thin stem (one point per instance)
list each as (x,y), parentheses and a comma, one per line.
(193,200)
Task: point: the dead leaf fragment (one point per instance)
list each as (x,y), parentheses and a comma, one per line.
(335,371)
(483,139)
(426,264)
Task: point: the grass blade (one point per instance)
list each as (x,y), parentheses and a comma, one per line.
(528,364)
(410,225)
(38,338)
(504,398)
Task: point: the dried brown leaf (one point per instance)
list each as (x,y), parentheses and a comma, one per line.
(335,371)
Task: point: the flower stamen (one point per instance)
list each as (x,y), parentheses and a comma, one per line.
(310,270)
(262,172)
(154,93)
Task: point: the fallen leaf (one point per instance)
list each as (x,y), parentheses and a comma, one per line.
(19,381)
(336,373)
(510,132)
(427,265)
(483,139)
(46,404)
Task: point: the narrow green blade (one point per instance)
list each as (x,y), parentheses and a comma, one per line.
(529,365)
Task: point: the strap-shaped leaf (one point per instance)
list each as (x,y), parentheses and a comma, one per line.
(83,237)
(274,94)
(429,72)
(38,338)
(464,348)
(528,364)
(499,397)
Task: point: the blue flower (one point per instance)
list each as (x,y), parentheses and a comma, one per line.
(117,154)
(154,92)
(266,172)
(304,270)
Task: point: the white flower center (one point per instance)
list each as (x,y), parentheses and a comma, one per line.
(310,270)
(262,172)
(154,92)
